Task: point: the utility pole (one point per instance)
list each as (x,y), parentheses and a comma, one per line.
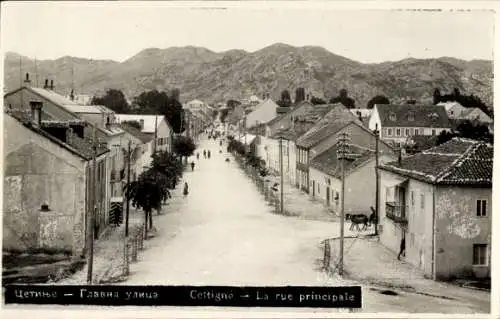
(129,154)
(281,173)
(342,154)
(156,133)
(91,213)
(377,185)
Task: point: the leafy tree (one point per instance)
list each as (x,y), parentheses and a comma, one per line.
(148,192)
(166,163)
(436,96)
(456,92)
(469,101)
(135,124)
(285,100)
(467,129)
(175,94)
(344,99)
(317,101)
(379,99)
(412,102)
(300,95)
(183,146)
(156,102)
(232,104)
(113,99)
(223,115)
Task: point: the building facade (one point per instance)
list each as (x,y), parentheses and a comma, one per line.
(440,202)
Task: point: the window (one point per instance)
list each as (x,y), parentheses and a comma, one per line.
(481,207)
(422,201)
(411,116)
(392,116)
(407,132)
(389,132)
(416,131)
(433,132)
(412,197)
(398,132)
(479,255)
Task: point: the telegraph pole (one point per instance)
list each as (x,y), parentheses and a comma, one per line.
(281,173)
(377,185)
(342,153)
(128,185)
(156,133)
(91,213)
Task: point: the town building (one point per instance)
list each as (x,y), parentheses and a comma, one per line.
(50,182)
(141,148)
(58,108)
(81,99)
(263,113)
(439,200)
(152,125)
(325,133)
(360,179)
(396,123)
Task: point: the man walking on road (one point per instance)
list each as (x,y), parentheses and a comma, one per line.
(197,156)
(208,154)
(186,190)
(204,153)
(402,248)
(192,166)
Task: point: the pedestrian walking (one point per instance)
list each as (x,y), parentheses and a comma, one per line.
(208,154)
(192,166)
(204,153)
(186,190)
(402,248)
(197,156)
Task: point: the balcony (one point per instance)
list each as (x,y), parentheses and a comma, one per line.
(397,212)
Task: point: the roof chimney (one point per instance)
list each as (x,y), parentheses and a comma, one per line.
(141,121)
(52,85)
(27,81)
(36,112)
(46,86)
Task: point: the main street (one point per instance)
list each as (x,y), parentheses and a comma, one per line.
(224,233)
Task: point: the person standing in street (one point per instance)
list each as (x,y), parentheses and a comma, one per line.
(186,190)
(208,154)
(402,248)
(197,156)
(192,166)
(204,153)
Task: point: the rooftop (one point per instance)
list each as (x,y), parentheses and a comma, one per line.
(327,161)
(459,161)
(410,115)
(145,138)
(331,123)
(76,145)
(149,120)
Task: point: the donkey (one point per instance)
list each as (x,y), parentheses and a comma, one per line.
(358,219)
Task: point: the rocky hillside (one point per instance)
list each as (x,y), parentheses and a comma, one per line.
(213,77)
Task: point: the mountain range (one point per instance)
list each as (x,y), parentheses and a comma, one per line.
(236,74)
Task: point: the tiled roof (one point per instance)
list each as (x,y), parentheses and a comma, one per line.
(457,162)
(52,96)
(76,145)
(328,163)
(82,108)
(330,124)
(304,122)
(279,117)
(409,115)
(145,138)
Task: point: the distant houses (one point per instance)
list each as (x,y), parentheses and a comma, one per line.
(263,113)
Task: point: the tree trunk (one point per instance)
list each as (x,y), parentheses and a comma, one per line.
(151,220)
(145,224)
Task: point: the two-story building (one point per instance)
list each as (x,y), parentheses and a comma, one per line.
(439,200)
(360,179)
(325,133)
(152,125)
(396,123)
(50,183)
(57,108)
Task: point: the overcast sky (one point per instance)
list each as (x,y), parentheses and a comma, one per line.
(117,31)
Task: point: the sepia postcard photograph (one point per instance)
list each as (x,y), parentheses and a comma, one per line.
(247,157)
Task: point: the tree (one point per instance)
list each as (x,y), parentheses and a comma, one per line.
(467,129)
(113,99)
(156,102)
(183,146)
(223,115)
(232,104)
(344,99)
(166,163)
(411,101)
(285,100)
(379,99)
(317,101)
(436,96)
(456,92)
(135,124)
(300,95)
(148,192)
(175,94)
